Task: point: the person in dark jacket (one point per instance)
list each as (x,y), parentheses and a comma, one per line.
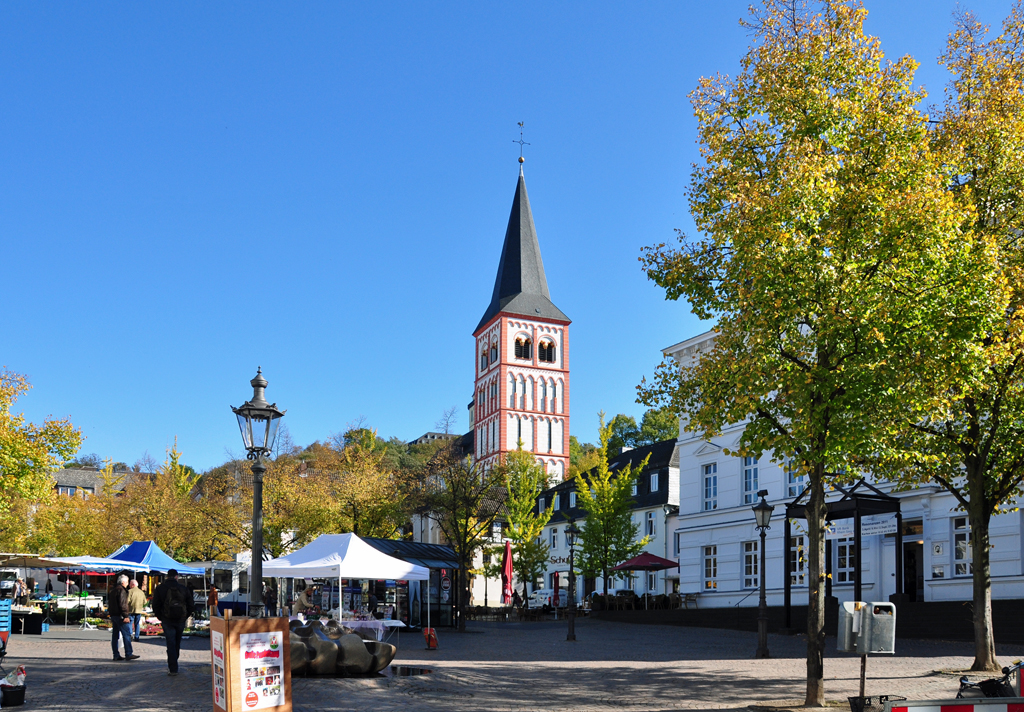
(120,622)
(173,604)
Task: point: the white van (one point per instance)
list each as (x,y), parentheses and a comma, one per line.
(542,598)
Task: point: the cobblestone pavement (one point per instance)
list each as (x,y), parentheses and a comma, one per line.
(514,667)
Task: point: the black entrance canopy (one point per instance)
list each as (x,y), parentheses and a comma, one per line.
(861,500)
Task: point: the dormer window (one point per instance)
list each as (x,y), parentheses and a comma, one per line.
(524,348)
(546,351)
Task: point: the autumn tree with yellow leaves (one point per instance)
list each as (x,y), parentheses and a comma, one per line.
(832,260)
(29,453)
(972,444)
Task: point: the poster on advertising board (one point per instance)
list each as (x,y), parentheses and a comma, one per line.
(217,652)
(261,669)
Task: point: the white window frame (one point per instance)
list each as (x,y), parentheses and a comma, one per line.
(556,502)
(794,484)
(797,553)
(540,505)
(709,481)
(572,500)
(650,526)
(554,539)
(675,544)
(632,490)
(750,468)
(846,561)
(751,564)
(652,581)
(654,482)
(963,557)
(710,580)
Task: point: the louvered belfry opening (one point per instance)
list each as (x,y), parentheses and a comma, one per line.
(524,348)
(546,351)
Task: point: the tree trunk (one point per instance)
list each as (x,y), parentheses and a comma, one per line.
(984,638)
(463,585)
(816,510)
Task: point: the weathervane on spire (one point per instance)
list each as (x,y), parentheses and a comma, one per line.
(521,142)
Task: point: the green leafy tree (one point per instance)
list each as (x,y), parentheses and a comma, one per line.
(974,447)
(624,433)
(29,453)
(658,425)
(582,457)
(832,259)
(608,535)
(523,478)
(463,501)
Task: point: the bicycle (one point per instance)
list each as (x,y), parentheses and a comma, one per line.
(993,687)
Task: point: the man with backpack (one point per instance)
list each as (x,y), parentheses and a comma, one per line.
(173,604)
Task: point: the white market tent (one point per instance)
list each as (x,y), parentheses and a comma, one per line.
(343,556)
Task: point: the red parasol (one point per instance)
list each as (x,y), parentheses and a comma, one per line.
(646,562)
(506,574)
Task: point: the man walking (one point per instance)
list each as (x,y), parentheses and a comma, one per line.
(120,623)
(136,605)
(173,604)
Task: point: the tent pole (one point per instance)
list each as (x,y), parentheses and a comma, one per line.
(429,575)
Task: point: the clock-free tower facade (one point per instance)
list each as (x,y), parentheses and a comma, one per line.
(521,392)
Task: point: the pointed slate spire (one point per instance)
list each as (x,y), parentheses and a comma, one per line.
(520,286)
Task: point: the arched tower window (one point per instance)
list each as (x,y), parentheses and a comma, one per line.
(524,347)
(483,361)
(546,351)
(494,353)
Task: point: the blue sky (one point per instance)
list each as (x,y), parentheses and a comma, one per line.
(190,190)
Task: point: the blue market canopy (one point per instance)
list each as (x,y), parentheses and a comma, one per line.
(147,556)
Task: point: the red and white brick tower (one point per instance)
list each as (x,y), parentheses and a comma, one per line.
(522,356)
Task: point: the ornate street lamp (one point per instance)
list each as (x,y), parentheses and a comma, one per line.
(571,532)
(258,421)
(762,516)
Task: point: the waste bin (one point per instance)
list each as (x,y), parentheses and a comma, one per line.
(12,696)
(867,628)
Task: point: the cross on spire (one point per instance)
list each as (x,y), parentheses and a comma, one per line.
(521,142)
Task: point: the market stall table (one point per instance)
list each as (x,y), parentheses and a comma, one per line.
(27,621)
(374,626)
(394,627)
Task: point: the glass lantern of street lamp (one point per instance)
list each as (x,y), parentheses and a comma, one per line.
(763,511)
(258,420)
(571,532)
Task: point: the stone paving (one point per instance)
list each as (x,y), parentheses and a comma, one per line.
(512,667)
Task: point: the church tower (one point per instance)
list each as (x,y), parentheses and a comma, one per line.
(522,356)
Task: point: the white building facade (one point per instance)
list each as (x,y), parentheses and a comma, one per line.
(718,546)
